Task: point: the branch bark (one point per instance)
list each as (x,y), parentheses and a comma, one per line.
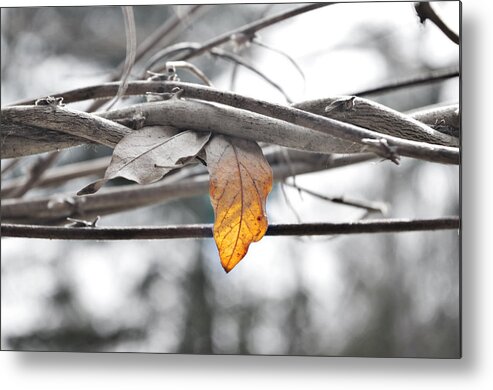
(28,129)
(445,119)
(205,231)
(286,126)
(199,92)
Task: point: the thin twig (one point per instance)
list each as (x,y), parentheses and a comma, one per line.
(425,11)
(216,52)
(166,54)
(251,28)
(432,77)
(192,69)
(288,202)
(166,32)
(240,61)
(35,175)
(205,231)
(234,76)
(258,42)
(61,174)
(131,49)
(169,29)
(10,165)
(377,207)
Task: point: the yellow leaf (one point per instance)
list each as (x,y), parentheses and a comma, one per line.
(240,180)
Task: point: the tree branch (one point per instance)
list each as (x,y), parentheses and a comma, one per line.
(318,106)
(286,126)
(378,207)
(131,50)
(31,129)
(251,29)
(56,208)
(445,119)
(425,11)
(433,77)
(205,231)
(377,117)
(170,29)
(296,128)
(60,174)
(34,177)
(64,173)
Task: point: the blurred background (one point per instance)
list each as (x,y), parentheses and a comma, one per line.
(392,295)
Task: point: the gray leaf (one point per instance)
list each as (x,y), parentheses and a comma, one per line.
(146,155)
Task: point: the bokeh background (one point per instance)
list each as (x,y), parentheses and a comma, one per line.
(392,295)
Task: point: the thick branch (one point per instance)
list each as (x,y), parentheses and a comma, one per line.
(328,135)
(205,231)
(22,126)
(337,137)
(430,117)
(377,117)
(445,119)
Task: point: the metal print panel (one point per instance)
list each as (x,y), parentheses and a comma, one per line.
(256,179)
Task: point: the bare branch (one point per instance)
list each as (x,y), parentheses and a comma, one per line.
(240,61)
(251,28)
(49,125)
(55,208)
(166,54)
(337,136)
(166,32)
(425,11)
(170,29)
(445,119)
(192,69)
(131,48)
(61,174)
(377,117)
(10,165)
(205,231)
(432,77)
(378,207)
(35,175)
(298,129)
(216,52)
(258,42)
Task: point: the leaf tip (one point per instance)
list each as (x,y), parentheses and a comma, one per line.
(91,188)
